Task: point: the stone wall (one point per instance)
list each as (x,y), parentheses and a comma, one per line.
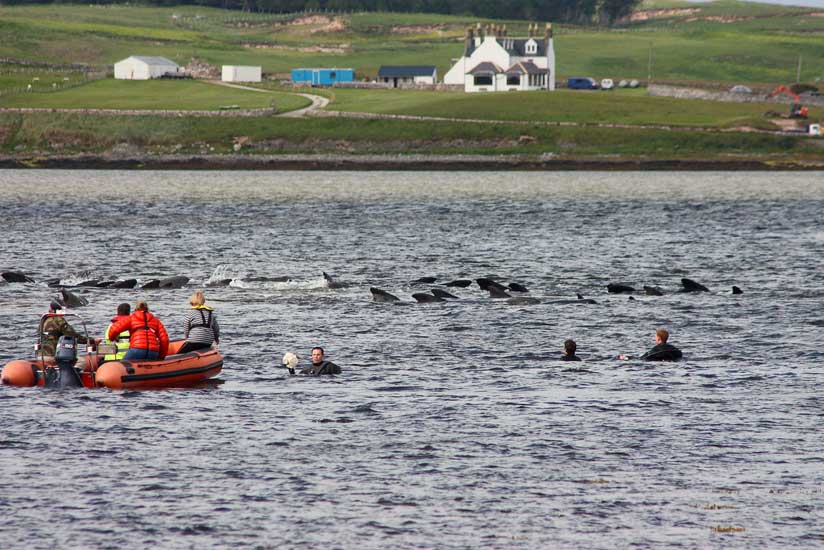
(660,90)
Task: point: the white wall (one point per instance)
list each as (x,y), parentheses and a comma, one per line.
(457,74)
(241,73)
(131,69)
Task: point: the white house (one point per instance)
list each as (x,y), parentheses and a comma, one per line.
(495,62)
(143,67)
(399,75)
(240,73)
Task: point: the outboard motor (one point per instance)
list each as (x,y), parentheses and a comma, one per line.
(65,375)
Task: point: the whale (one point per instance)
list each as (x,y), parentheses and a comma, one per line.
(486,283)
(330,281)
(619,288)
(440,293)
(461,283)
(523,301)
(517,287)
(379,295)
(69,299)
(275,279)
(425,280)
(653,291)
(125,283)
(221,282)
(691,286)
(498,292)
(426,298)
(178,281)
(736,290)
(16,277)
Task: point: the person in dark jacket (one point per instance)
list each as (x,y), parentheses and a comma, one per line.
(200,328)
(661,351)
(319,365)
(55,326)
(569,351)
(148,340)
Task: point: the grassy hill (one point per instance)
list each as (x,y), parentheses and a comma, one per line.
(59,51)
(721,41)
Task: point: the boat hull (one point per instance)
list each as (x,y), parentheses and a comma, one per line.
(174,371)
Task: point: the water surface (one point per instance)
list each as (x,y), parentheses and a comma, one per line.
(453,425)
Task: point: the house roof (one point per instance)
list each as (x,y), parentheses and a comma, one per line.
(485,68)
(525,67)
(515,46)
(392,71)
(154,60)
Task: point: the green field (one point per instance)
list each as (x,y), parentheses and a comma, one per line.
(628,107)
(715,44)
(732,42)
(155,95)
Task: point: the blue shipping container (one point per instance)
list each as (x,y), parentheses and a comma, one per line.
(322,77)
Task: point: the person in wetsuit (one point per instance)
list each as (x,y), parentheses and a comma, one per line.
(319,365)
(661,351)
(569,351)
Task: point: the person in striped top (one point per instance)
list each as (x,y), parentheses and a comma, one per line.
(200,328)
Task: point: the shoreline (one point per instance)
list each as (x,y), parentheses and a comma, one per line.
(394,163)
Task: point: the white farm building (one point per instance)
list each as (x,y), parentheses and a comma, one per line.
(496,62)
(240,73)
(144,67)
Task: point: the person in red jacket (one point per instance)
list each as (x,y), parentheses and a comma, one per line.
(148,340)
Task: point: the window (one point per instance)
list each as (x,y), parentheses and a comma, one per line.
(531,47)
(483,80)
(513,80)
(332,75)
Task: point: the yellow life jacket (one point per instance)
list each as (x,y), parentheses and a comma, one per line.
(121,342)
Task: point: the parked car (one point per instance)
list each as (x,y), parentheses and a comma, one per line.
(740,89)
(581,83)
(607,84)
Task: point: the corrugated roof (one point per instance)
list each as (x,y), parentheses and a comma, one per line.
(392,71)
(154,60)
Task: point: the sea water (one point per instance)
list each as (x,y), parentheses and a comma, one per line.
(453,424)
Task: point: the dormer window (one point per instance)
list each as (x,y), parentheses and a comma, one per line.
(531,47)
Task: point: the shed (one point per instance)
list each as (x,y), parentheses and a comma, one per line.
(240,73)
(144,67)
(407,74)
(322,77)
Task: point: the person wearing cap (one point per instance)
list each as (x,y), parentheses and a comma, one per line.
(320,365)
(148,340)
(200,328)
(121,343)
(55,326)
(661,351)
(569,351)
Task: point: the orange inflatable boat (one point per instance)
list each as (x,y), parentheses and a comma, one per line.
(174,371)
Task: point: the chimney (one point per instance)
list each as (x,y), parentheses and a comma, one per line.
(469,46)
(550,58)
(548,31)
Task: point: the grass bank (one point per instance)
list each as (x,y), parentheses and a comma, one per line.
(54,133)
